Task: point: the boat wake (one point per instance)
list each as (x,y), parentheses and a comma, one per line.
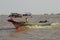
(35,27)
(52,25)
(55,24)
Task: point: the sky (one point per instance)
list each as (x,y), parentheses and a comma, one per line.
(33,6)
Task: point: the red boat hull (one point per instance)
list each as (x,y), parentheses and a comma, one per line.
(11,19)
(18,26)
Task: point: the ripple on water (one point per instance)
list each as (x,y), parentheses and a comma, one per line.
(31,34)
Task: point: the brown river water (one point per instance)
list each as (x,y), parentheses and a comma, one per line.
(8,31)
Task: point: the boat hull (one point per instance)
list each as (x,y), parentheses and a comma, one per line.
(31,25)
(19,25)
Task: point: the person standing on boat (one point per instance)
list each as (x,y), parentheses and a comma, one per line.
(26,20)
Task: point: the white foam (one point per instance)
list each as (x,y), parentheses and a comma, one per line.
(35,27)
(55,24)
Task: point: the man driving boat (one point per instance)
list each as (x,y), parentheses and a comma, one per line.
(26,20)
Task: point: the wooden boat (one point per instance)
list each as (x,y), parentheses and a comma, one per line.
(23,24)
